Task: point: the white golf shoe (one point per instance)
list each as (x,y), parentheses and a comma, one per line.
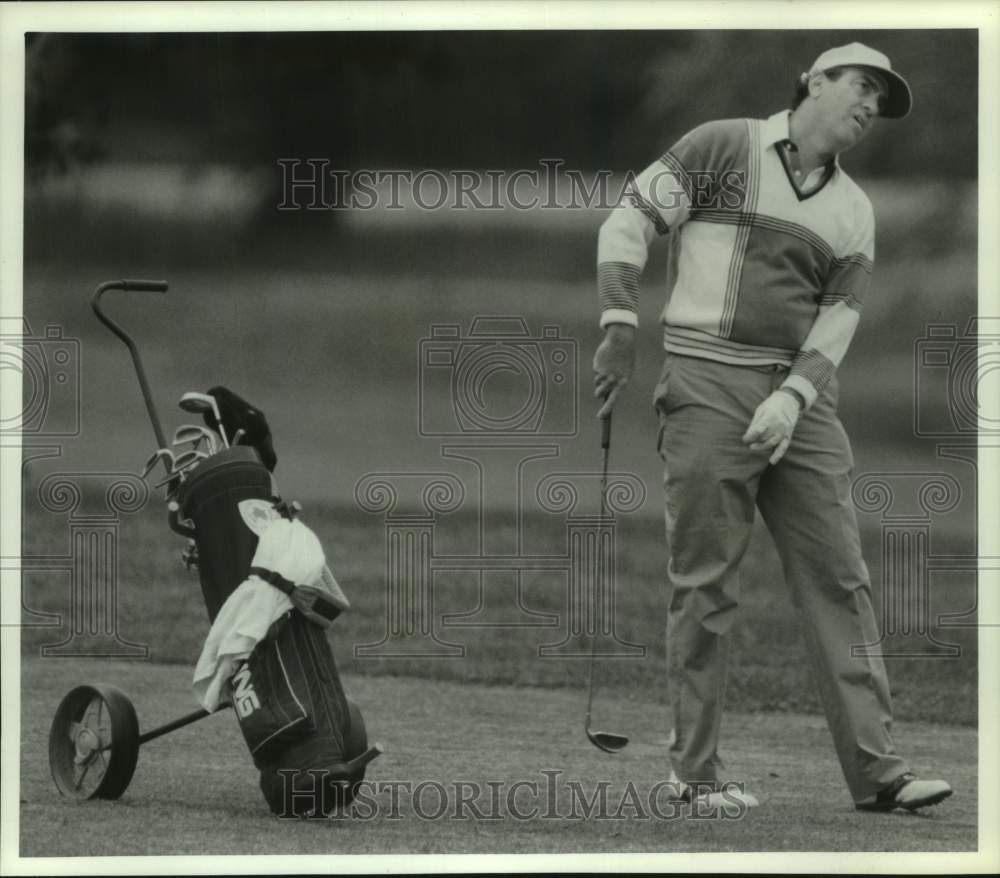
(729,799)
(909,792)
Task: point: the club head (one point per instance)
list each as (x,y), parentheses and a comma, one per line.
(193,441)
(164,454)
(193,435)
(189,458)
(203,403)
(609,742)
(197,402)
(188,461)
(187,432)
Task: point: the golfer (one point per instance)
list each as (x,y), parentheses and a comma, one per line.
(772,256)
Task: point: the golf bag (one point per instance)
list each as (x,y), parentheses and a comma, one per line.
(301,730)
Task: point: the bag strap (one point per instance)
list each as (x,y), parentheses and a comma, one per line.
(274,578)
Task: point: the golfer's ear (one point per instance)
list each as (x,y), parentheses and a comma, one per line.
(816,82)
(258,515)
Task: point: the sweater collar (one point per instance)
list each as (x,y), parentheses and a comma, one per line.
(775,129)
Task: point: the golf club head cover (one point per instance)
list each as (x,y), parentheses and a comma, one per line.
(238,414)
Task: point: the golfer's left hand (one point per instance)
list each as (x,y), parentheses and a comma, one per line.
(773,424)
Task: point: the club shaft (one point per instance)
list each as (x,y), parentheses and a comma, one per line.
(605,454)
(218,420)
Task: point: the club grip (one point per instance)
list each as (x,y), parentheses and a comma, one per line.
(606,431)
(145,286)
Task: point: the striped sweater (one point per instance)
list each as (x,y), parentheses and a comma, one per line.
(762,273)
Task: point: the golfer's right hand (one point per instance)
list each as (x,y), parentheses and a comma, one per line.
(614,363)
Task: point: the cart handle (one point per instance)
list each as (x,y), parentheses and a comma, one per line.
(139,286)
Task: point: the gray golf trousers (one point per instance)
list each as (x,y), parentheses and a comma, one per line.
(713,482)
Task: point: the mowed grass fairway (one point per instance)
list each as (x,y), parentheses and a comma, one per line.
(194,791)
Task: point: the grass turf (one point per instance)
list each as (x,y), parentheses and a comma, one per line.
(194,791)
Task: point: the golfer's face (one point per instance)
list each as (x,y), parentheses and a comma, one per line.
(850,105)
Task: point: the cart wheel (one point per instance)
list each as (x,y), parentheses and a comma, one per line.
(94,743)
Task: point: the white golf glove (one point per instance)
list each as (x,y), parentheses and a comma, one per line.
(773,424)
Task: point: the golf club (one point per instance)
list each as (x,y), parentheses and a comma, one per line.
(188,460)
(204,402)
(191,433)
(609,742)
(183,463)
(195,440)
(161,453)
(172,479)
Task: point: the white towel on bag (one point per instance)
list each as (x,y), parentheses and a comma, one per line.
(285,546)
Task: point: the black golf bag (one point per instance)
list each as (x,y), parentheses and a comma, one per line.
(307,740)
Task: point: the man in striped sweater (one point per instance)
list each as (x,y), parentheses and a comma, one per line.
(772,256)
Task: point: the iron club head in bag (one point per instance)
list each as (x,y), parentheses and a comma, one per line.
(188,460)
(164,454)
(202,403)
(609,742)
(194,434)
(183,464)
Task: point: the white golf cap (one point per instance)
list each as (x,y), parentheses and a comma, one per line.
(898,100)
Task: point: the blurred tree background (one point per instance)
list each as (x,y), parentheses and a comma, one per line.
(164,147)
(600,99)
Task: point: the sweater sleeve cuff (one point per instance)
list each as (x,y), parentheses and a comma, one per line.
(619,315)
(803,387)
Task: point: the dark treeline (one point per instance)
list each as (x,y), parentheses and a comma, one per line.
(595,99)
